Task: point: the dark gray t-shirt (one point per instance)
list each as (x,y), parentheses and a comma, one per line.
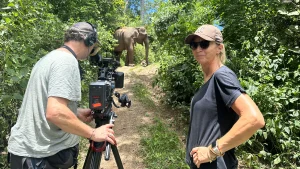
(211,116)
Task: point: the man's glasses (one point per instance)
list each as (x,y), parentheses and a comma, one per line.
(203,44)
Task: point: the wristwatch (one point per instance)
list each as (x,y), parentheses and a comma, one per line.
(216,149)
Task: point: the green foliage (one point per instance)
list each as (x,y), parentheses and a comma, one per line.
(108,12)
(27,32)
(176,61)
(163,149)
(30,29)
(176,79)
(267,50)
(139,54)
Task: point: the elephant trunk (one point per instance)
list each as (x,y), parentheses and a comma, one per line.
(146,50)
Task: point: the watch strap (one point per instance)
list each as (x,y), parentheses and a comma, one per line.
(216,149)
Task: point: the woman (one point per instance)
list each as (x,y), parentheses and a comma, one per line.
(222,115)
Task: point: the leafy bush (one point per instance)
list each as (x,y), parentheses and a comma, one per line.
(139,54)
(179,75)
(267,51)
(177,80)
(27,33)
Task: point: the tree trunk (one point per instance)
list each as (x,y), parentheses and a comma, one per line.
(142,10)
(125,8)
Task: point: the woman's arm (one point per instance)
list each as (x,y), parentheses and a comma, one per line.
(249,122)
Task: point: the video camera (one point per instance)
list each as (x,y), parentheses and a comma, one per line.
(102,90)
(100,102)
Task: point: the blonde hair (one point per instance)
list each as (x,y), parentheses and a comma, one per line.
(222,55)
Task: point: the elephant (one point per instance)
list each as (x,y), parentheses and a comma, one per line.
(127,38)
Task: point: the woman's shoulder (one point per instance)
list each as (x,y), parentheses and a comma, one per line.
(224,73)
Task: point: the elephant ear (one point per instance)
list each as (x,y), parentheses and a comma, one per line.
(142,30)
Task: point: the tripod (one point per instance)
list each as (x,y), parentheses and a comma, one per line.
(93,158)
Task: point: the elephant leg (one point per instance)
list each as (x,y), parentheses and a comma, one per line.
(127,59)
(130,55)
(146,50)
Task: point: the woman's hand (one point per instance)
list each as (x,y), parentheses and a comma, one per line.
(202,155)
(85,115)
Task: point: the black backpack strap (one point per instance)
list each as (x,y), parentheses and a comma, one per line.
(8,158)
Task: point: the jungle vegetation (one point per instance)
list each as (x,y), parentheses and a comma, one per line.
(262,46)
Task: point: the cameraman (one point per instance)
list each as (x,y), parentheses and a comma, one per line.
(46,134)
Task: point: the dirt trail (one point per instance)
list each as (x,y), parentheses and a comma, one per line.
(129,121)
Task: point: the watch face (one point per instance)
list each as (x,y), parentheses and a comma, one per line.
(215,148)
(214,144)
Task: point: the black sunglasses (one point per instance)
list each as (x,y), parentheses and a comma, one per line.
(203,44)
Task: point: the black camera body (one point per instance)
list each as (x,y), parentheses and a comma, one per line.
(101,91)
(101,102)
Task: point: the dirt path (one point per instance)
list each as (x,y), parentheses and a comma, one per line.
(129,121)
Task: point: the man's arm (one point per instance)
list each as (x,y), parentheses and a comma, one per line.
(59,114)
(84,115)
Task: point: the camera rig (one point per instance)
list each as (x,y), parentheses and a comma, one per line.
(100,101)
(102,90)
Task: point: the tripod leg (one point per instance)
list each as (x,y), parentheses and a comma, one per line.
(117,156)
(92,160)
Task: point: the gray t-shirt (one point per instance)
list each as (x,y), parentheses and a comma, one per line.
(211,116)
(56,74)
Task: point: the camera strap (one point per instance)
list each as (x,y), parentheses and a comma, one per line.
(80,68)
(69,49)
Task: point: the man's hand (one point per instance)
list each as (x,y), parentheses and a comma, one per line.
(85,115)
(104,133)
(201,155)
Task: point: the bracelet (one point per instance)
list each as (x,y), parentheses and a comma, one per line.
(211,150)
(214,158)
(93,133)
